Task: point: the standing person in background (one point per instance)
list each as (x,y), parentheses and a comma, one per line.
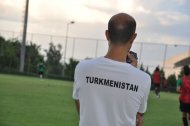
(179,83)
(41,69)
(165,84)
(107,90)
(183,87)
(156,81)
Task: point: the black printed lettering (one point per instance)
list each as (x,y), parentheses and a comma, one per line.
(123,85)
(135,88)
(101,81)
(96,80)
(131,87)
(111,83)
(87,79)
(116,84)
(127,85)
(91,79)
(106,82)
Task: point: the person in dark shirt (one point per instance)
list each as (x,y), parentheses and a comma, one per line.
(41,69)
(183,87)
(156,81)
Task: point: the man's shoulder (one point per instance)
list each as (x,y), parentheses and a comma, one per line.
(145,75)
(85,63)
(141,75)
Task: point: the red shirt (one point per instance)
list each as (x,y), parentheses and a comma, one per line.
(156,77)
(185,90)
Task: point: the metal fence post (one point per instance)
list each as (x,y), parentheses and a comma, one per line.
(73,48)
(140,55)
(31,38)
(96,50)
(13,34)
(51,38)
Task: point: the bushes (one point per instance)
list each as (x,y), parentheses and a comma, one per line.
(10,60)
(172,80)
(70,68)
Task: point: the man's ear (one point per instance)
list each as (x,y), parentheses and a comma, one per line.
(107,35)
(133,38)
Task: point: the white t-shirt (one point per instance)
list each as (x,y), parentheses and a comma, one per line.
(110,92)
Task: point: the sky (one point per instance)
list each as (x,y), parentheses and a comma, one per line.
(158,21)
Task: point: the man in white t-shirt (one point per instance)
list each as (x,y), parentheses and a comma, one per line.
(107,90)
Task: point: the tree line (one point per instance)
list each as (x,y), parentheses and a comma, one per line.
(10,58)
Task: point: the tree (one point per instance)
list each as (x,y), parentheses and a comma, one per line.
(70,68)
(10,55)
(32,57)
(162,73)
(181,72)
(172,80)
(9,51)
(54,55)
(147,71)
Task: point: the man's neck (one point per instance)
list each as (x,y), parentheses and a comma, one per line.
(117,53)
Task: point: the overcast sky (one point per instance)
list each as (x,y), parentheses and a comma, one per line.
(165,21)
(158,21)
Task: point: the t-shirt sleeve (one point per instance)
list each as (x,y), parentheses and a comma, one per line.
(76,85)
(143,105)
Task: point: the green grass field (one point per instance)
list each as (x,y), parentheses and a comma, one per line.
(27,101)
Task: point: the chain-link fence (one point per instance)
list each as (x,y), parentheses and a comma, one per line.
(150,55)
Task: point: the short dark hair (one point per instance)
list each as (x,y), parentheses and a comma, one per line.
(120,33)
(186,70)
(157,69)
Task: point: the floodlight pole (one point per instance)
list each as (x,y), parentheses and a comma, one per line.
(73,48)
(66,39)
(140,55)
(165,52)
(22,48)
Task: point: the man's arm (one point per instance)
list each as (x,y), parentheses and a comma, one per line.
(77,103)
(178,89)
(139,116)
(134,61)
(139,119)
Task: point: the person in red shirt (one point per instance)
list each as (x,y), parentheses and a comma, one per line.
(156,81)
(184,98)
(165,84)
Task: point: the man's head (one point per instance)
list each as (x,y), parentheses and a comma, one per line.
(121,29)
(157,69)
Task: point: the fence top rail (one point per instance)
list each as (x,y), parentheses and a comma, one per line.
(95,39)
